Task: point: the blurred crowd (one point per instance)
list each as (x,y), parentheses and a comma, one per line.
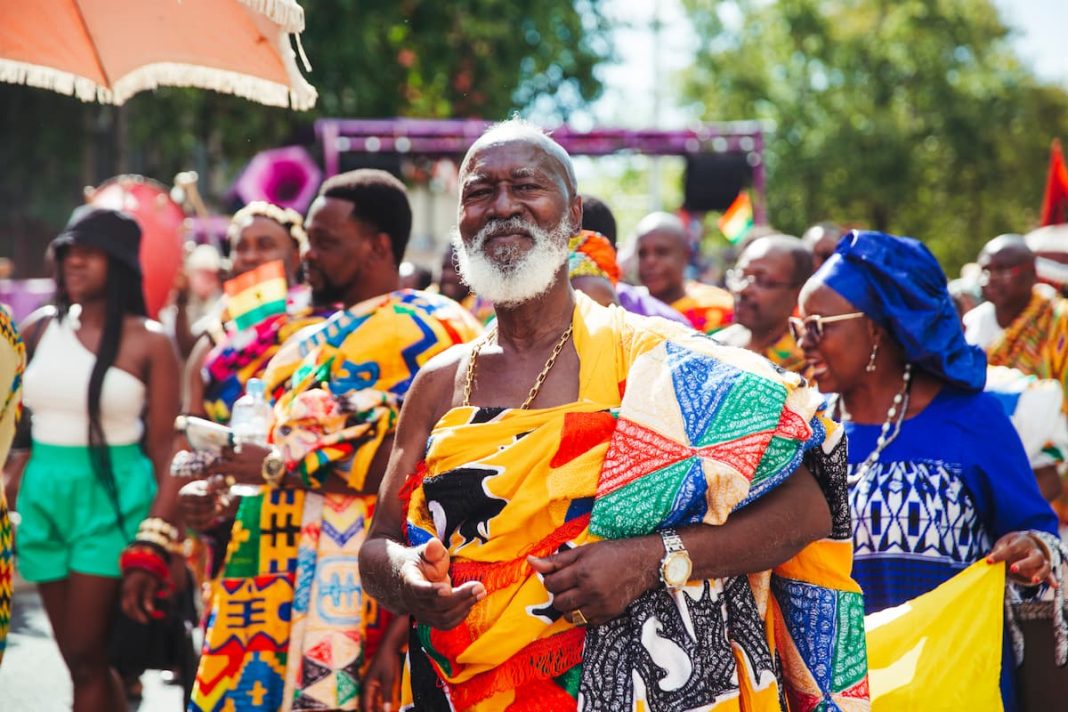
(228,556)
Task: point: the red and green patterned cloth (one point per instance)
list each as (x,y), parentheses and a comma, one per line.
(670,430)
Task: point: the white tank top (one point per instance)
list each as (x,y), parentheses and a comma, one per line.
(56,390)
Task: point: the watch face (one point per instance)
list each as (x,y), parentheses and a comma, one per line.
(677,569)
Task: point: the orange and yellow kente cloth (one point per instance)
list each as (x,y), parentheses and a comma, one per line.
(1036,343)
(12,365)
(701,431)
(708,308)
(290,627)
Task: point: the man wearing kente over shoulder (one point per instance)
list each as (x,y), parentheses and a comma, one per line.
(545,515)
(289,629)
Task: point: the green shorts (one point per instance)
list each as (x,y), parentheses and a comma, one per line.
(68,521)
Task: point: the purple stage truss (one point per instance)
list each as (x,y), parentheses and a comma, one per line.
(452,137)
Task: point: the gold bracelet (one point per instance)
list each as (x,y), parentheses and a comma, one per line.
(158,524)
(168,545)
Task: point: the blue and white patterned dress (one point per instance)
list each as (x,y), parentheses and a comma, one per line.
(951,484)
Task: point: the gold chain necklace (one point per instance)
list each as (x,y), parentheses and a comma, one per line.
(469,381)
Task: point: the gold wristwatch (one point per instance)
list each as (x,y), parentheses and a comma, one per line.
(274,468)
(676,566)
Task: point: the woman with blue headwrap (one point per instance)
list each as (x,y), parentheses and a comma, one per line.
(938,476)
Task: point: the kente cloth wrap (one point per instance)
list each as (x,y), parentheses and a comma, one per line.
(899,285)
(707,308)
(1037,341)
(290,627)
(12,364)
(591,255)
(710,429)
(245,354)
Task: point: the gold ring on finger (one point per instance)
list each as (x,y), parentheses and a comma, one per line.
(576,618)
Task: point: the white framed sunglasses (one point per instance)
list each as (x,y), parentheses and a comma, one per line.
(814,325)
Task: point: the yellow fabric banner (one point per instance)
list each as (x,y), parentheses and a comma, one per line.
(940,651)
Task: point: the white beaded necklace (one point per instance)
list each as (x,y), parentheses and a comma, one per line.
(894,417)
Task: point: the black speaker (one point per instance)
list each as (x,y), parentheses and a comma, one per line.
(712,180)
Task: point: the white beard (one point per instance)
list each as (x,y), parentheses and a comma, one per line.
(512,277)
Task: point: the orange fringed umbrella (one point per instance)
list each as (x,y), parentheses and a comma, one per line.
(108,50)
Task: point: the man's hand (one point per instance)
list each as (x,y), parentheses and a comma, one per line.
(202,503)
(428,593)
(246,467)
(1026,559)
(139,591)
(603,578)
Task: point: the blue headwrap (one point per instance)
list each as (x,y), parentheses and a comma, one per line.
(899,285)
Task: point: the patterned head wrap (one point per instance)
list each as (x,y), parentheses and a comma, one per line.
(592,255)
(288,218)
(898,283)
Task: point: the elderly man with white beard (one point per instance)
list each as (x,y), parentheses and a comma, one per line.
(587,509)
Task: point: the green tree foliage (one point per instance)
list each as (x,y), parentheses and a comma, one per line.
(370,58)
(912,116)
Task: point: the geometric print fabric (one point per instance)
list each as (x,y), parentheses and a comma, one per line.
(916,509)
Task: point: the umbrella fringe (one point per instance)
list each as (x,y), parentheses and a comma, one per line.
(34,75)
(287,14)
(153,76)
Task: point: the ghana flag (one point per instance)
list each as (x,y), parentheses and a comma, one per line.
(736,223)
(257,294)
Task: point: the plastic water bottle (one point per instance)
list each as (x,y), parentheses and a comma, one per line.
(250,419)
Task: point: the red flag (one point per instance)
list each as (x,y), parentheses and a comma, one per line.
(1055,202)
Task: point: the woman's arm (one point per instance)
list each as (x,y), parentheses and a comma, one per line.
(162,385)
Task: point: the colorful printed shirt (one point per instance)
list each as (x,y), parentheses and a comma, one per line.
(1036,343)
(709,429)
(954,480)
(289,627)
(708,308)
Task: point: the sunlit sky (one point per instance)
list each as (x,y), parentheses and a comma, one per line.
(630,83)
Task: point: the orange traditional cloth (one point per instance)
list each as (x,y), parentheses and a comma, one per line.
(708,308)
(592,255)
(1036,342)
(501,484)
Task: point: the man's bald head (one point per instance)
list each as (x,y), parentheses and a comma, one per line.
(1012,248)
(663,253)
(788,246)
(662,223)
(520,131)
(1008,275)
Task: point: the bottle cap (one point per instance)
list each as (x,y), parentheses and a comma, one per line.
(256,386)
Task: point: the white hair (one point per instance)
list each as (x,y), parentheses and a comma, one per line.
(518,129)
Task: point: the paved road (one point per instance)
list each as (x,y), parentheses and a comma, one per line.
(33,677)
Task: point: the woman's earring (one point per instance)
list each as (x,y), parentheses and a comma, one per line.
(870,368)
